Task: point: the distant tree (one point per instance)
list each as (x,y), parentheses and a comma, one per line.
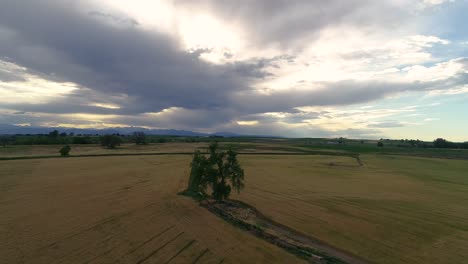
(139,138)
(63,134)
(54,134)
(380,144)
(441,143)
(110,141)
(464,145)
(5,140)
(81,140)
(221,171)
(65,151)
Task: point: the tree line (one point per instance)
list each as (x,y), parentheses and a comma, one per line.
(61,138)
(437,143)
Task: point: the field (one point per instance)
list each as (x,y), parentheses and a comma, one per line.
(169,148)
(114,210)
(393,209)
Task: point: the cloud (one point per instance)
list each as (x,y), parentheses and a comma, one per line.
(285,23)
(114,19)
(439,71)
(10,72)
(102,64)
(247,123)
(71,46)
(435,2)
(387,124)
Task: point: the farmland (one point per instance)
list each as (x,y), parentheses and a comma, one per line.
(392,209)
(111,210)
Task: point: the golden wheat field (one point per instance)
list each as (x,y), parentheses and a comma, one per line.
(391,210)
(126,209)
(114,210)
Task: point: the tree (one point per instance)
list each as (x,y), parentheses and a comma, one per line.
(5,140)
(110,141)
(139,138)
(221,171)
(199,169)
(54,134)
(82,140)
(380,144)
(65,151)
(441,143)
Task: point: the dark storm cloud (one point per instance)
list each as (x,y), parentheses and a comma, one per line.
(114,18)
(63,43)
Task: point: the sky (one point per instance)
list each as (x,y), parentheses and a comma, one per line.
(301,68)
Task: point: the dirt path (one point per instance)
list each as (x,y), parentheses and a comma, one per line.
(250,219)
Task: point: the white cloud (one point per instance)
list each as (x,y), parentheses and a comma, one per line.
(435,2)
(461,89)
(23,124)
(105,105)
(338,119)
(247,123)
(348,54)
(438,71)
(25,87)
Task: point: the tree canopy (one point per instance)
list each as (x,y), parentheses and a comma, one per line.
(139,138)
(220,172)
(110,141)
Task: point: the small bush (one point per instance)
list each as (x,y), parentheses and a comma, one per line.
(65,151)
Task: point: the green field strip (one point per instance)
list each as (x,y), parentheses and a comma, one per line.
(324,153)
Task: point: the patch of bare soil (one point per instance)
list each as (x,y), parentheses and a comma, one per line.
(250,219)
